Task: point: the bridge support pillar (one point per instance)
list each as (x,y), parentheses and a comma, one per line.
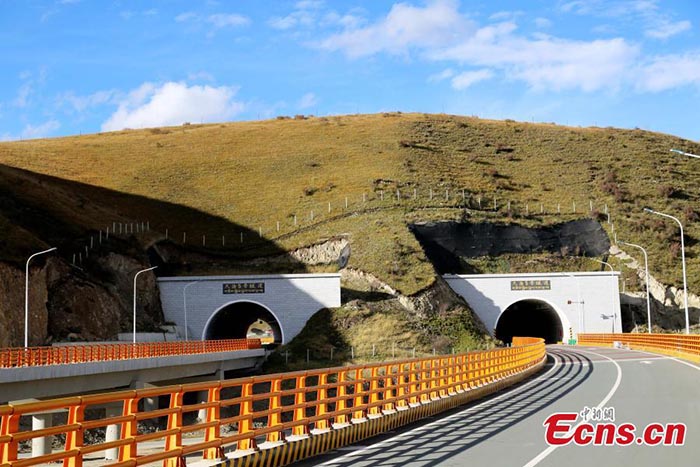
(149,403)
(42,446)
(113,430)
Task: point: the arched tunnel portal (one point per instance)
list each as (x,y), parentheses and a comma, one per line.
(529,318)
(244,319)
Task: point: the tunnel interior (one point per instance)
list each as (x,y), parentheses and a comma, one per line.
(529,318)
(242,320)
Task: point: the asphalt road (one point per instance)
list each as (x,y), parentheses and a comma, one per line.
(507,428)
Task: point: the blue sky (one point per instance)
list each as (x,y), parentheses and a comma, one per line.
(83,66)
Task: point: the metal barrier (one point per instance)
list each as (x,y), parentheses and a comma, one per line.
(678,345)
(38,356)
(291,415)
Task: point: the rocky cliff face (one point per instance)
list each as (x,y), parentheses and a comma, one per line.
(67,303)
(667,302)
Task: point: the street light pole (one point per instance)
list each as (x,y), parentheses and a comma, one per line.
(184,300)
(683,153)
(135,276)
(685,280)
(26,295)
(646,276)
(612,289)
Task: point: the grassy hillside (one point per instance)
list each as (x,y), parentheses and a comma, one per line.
(256,174)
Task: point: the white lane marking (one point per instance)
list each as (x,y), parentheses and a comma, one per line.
(657,357)
(691,365)
(645,359)
(458,414)
(541,456)
(646,362)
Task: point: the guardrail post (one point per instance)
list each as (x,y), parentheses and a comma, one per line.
(213,433)
(300,410)
(130,430)
(389,387)
(321,408)
(245,424)
(359,392)
(9,425)
(273,419)
(374,390)
(174,441)
(74,438)
(342,401)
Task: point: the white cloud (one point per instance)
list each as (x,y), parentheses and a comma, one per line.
(467,78)
(31,132)
(222,20)
(543,23)
(670,71)
(308,100)
(405,26)
(201,76)
(186,16)
(82,103)
(666,29)
(173,103)
(443,75)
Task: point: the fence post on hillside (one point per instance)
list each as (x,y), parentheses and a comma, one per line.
(608,218)
(415,193)
(114,226)
(260,231)
(329,206)
(331,353)
(381,195)
(312,214)
(80,259)
(184,237)
(558,208)
(223,240)
(606,209)
(295,220)
(166,234)
(241,237)
(86,251)
(478,200)
(447,194)
(278,226)
(430,196)
(92,242)
(495,206)
(574,204)
(527,209)
(373,350)
(541,208)
(393,350)
(107,234)
(508,205)
(398,195)
(364,197)
(352,353)
(346,202)
(204,240)
(100,240)
(590,204)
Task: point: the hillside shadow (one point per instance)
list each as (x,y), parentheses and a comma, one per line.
(63,213)
(94,270)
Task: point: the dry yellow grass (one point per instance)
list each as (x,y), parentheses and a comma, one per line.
(255,174)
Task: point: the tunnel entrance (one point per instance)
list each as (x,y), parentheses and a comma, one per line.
(529,318)
(241,320)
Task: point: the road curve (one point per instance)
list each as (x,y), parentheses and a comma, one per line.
(507,428)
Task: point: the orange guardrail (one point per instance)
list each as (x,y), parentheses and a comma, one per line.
(60,355)
(344,404)
(678,345)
